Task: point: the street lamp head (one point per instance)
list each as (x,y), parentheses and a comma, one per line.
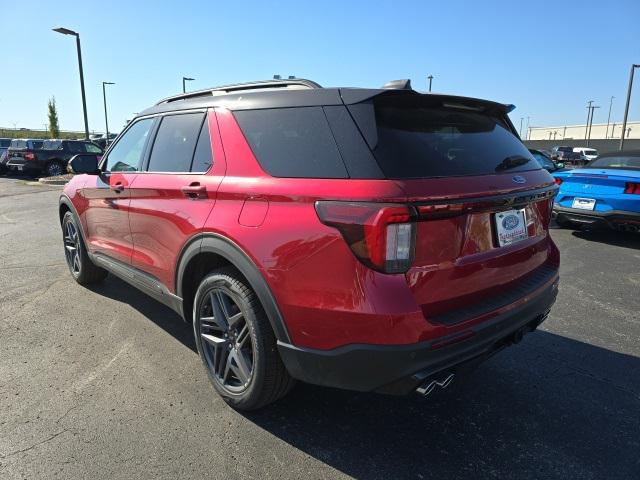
(65,31)
(108,83)
(188,78)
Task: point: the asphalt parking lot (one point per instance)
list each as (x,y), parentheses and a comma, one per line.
(105,383)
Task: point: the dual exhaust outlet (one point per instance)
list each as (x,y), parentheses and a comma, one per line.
(430,385)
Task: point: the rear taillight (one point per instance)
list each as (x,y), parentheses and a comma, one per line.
(557,180)
(633,188)
(381,235)
(29,156)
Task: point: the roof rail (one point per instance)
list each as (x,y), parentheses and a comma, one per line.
(243,86)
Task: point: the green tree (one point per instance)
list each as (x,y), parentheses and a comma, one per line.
(54,128)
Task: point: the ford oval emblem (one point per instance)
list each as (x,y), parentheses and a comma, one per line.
(519,179)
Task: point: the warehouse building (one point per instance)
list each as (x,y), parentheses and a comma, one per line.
(612,130)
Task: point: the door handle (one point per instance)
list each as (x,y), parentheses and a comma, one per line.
(194,190)
(118,187)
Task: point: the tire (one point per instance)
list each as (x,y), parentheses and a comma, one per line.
(82,269)
(54,168)
(236,343)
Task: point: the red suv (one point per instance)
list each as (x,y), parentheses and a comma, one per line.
(367,239)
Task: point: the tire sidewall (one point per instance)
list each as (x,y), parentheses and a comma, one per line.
(224,281)
(69,218)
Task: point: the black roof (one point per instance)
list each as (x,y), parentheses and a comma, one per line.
(294,93)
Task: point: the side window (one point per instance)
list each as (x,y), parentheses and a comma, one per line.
(125,155)
(75,147)
(175,143)
(92,148)
(292,142)
(203,157)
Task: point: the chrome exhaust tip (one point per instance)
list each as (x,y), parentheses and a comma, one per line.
(430,385)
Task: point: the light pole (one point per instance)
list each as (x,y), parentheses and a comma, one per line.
(184,87)
(527,129)
(106,120)
(626,108)
(66,31)
(606,132)
(430,78)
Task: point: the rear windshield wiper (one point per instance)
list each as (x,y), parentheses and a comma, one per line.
(512,162)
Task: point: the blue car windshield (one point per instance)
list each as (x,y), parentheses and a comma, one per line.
(621,161)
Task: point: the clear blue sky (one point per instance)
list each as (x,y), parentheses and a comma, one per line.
(546,57)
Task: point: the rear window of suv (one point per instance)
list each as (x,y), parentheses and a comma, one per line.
(417,138)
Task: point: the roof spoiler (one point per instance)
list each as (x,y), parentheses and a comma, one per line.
(398,85)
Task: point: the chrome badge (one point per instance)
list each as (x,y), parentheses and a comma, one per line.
(519,179)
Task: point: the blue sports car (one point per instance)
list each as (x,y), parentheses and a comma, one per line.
(605,192)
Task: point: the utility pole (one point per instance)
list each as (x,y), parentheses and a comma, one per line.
(430,77)
(606,133)
(586,127)
(626,108)
(527,129)
(593,108)
(521,119)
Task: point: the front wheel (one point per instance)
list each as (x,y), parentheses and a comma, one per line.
(236,343)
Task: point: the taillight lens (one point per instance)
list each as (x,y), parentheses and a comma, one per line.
(29,156)
(633,188)
(557,180)
(381,235)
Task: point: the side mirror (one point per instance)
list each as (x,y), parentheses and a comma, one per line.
(560,165)
(83,163)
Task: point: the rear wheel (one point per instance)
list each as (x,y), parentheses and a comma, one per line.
(236,343)
(54,168)
(83,270)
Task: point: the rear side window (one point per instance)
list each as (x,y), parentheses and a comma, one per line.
(415,138)
(203,157)
(292,142)
(5,143)
(51,145)
(75,147)
(175,143)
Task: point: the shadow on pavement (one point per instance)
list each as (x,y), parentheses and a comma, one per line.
(610,237)
(162,316)
(550,407)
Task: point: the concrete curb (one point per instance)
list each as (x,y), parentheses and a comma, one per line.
(53,181)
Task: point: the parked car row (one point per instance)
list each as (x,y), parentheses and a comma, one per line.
(573,156)
(43,157)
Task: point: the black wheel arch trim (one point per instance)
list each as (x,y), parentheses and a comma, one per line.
(64,200)
(228,249)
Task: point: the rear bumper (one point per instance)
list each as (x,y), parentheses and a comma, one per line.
(400,369)
(609,219)
(22,167)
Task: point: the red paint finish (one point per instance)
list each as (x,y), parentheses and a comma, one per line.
(327,297)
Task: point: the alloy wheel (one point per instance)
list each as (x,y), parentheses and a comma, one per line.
(226,340)
(54,169)
(72,247)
